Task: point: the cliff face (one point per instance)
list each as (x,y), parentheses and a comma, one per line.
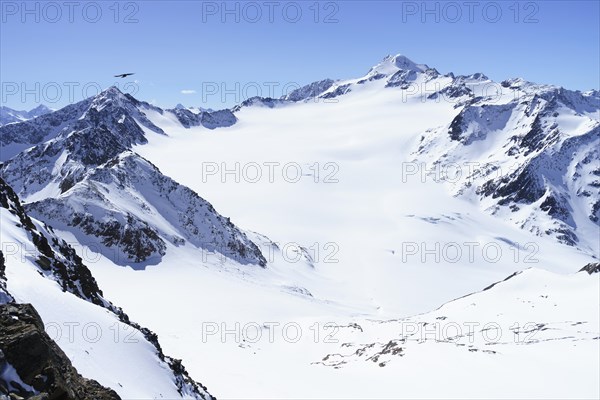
(33,366)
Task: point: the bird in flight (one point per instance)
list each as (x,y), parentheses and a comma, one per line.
(124,75)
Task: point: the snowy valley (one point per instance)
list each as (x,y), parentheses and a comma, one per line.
(423,232)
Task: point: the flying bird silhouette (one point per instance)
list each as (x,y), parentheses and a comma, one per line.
(124,75)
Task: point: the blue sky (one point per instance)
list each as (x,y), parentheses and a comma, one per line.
(224,52)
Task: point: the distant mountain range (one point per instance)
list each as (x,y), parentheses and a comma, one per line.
(8,115)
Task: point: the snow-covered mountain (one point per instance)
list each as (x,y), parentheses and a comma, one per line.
(82,175)
(42,269)
(526,152)
(377,199)
(535,151)
(189,117)
(8,115)
(110,109)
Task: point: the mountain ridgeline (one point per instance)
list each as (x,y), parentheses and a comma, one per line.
(536,161)
(81,174)
(526,152)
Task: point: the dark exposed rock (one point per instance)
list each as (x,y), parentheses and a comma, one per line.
(371,78)
(267,102)
(5,297)
(591,268)
(521,185)
(452,92)
(340,90)
(556,208)
(455,130)
(59,258)
(595,212)
(537,136)
(564,235)
(309,91)
(475,121)
(402,78)
(217,119)
(132,236)
(38,360)
(210,120)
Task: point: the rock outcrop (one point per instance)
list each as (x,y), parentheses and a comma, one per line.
(33,366)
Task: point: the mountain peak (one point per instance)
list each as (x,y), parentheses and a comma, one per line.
(112,90)
(401,61)
(41,109)
(110,96)
(393,63)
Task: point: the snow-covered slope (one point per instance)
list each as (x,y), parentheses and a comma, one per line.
(128,206)
(99,339)
(518,338)
(534,159)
